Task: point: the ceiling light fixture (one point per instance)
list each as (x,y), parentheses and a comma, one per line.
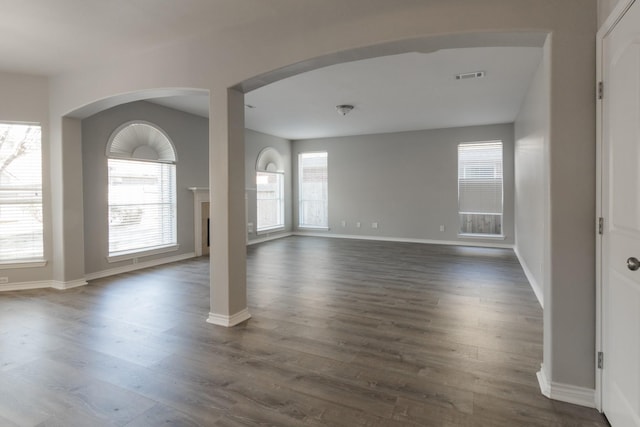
(344,109)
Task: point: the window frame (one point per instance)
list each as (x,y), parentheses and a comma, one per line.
(37,259)
(299,195)
(281,223)
(166,162)
(482,235)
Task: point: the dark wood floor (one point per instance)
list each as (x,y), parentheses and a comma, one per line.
(344,333)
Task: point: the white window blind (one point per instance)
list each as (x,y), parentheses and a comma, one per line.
(21,235)
(313,190)
(480,191)
(142,205)
(270,200)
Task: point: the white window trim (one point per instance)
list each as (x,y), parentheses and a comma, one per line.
(482,236)
(36,261)
(278,227)
(312,227)
(127,255)
(268,230)
(16,263)
(166,155)
(501,236)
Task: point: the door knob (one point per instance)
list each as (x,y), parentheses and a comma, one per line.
(633,264)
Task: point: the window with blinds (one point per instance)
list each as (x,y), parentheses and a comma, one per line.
(313,190)
(480,191)
(142,206)
(21,230)
(270,200)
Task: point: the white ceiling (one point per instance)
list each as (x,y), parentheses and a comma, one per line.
(49,37)
(393,93)
(404,92)
(411,91)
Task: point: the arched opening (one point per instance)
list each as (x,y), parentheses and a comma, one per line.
(151,129)
(539,142)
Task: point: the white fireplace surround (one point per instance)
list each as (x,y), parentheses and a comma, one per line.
(200,196)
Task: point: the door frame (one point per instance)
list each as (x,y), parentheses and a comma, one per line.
(614,17)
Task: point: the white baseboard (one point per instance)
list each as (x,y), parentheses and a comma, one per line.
(269,238)
(537,289)
(138,266)
(41,284)
(228,321)
(56,284)
(566,392)
(404,240)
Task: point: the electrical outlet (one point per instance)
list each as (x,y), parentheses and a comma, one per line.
(442,228)
(4,280)
(358,224)
(250,227)
(374,225)
(344,223)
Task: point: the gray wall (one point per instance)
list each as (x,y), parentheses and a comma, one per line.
(190,135)
(254,143)
(26,99)
(531,182)
(406,182)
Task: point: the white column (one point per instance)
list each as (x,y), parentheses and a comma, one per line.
(67,203)
(227,212)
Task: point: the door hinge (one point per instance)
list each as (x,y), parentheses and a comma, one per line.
(600,90)
(600,225)
(600,360)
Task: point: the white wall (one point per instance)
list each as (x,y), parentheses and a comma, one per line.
(407,182)
(531,183)
(26,99)
(189,135)
(254,143)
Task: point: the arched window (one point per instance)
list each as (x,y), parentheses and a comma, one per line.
(142,189)
(269,191)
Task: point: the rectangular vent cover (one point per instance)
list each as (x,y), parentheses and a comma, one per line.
(474,75)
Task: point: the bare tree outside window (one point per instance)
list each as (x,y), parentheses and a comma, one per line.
(20,192)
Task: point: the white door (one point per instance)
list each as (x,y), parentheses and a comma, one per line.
(621,211)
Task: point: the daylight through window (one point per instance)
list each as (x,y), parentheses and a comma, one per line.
(21,229)
(142,190)
(313,190)
(270,200)
(480,191)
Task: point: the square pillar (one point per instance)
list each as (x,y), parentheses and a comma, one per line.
(228,258)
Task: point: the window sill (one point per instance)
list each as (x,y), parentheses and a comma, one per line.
(33,263)
(270,230)
(311,227)
(127,255)
(482,236)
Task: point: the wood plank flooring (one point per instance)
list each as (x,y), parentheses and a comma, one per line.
(344,333)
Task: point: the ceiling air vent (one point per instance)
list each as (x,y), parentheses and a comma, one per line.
(474,75)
